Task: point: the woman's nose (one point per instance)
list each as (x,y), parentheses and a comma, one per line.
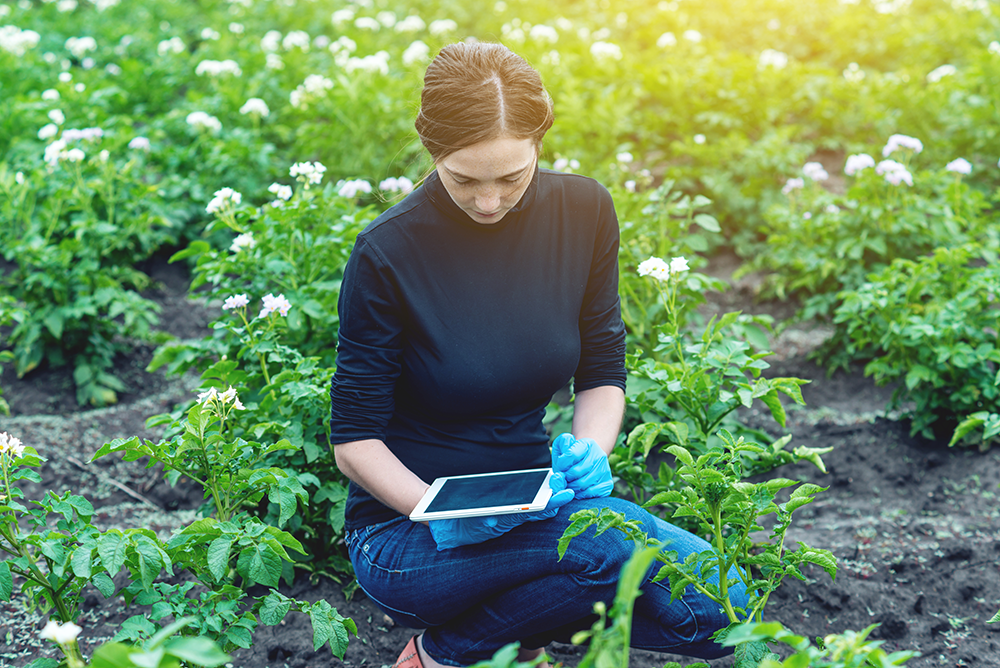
(487,201)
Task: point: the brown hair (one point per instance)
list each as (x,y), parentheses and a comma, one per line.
(480,91)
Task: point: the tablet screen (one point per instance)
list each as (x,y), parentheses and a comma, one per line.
(487,491)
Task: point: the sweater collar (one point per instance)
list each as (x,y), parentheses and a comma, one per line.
(443,202)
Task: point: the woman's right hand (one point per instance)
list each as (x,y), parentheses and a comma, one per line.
(471,530)
(584,464)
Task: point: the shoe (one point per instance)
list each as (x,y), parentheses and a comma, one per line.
(410,658)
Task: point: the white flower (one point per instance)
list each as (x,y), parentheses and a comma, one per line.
(699,139)
(48,131)
(17,41)
(83,134)
(296,39)
(80,87)
(236,301)
(104,155)
(902,141)
(602,51)
(200,120)
(807,215)
(229,396)
(80,46)
(442,26)
(994,48)
(544,34)
(210,34)
(378,62)
(853,73)
(367,23)
(307,172)
(411,23)
(959,166)
(236,28)
(112,69)
(75,155)
(858,162)
(314,86)
(216,68)
(139,144)
(57,116)
(894,172)
(654,267)
(255,106)
(815,171)
(417,52)
(394,184)
(772,58)
(386,18)
(939,73)
(210,395)
(66,6)
(270,41)
(666,39)
(351,189)
(19,178)
(11,445)
(172,45)
(55,152)
(272,304)
(630,186)
(342,16)
(692,36)
(242,241)
(792,184)
(832,209)
(274,62)
(61,635)
(624,157)
(50,95)
(678,264)
(65,77)
(280,191)
(224,199)
(566,165)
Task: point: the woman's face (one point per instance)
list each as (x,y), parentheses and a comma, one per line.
(486,180)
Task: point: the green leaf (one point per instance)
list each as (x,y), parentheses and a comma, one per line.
(707,222)
(81,561)
(6,582)
(197,651)
(103,584)
(773,403)
(218,557)
(274,609)
(681,454)
(328,626)
(265,565)
(750,654)
(813,455)
(995,619)
(44,663)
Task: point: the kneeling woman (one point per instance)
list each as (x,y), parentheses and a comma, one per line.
(463,309)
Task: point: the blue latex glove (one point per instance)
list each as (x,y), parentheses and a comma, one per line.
(470,530)
(584,464)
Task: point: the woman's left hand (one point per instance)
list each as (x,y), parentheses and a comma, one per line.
(471,530)
(584,464)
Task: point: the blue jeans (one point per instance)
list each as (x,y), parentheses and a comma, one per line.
(475,599)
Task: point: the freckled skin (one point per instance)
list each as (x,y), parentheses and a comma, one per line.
(486,180)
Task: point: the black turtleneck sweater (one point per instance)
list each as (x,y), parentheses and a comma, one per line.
(454,335)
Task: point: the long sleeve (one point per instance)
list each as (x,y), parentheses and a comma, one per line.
(368,352)
(602,332)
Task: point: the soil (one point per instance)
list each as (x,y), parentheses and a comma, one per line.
(914,525)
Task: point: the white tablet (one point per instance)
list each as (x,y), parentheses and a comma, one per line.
(483,494)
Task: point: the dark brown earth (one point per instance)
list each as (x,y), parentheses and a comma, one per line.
(915,525)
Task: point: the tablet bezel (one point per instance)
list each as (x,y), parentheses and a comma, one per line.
(542,496)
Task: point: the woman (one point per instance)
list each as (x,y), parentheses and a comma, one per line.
(463,309)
